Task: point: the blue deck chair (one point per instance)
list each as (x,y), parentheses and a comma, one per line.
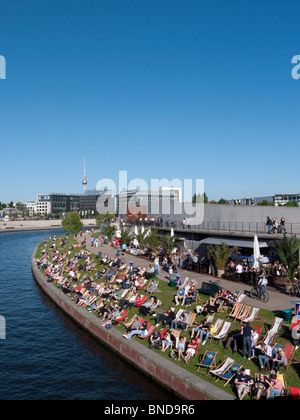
(207,361)
(229,373)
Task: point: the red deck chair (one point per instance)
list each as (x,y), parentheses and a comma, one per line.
(295,393)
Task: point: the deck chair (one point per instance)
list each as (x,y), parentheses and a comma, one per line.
(281,377)
(223,366)
(235,310)
(217,325)
(245,313)
(229,373)
(253,315)
(149,332)
(152,287)
(289,351)
(294,393)
(223,332)
(272,333)
(122,317)
(208,361)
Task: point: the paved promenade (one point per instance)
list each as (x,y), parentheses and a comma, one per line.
(277,301)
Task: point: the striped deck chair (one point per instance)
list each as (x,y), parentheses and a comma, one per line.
(253,316)
(122,317)
(217,326)
(235,310)
(289,351)
(223,331)
(245,313)
(149,332)
(207,361)
(229,373)
(272,333)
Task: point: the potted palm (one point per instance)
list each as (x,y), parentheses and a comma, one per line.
(220,255)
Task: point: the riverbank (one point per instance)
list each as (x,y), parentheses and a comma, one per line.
(177,380)
(35,225)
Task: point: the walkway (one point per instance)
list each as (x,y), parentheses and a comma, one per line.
(277,301)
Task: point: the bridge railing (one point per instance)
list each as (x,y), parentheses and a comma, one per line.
(230,226)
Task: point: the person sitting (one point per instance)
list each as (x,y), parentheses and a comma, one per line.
(166,342)
(243,382)
(181,347)
(205,332)
(265,356)
(278,360)
(180,296)
(210,306)
(184,321)
(191,349)
(260,386)
(145,308)
(275,387)
(191,296)
(142,330)
(155,340)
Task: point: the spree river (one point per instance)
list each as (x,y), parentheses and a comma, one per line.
(47,356)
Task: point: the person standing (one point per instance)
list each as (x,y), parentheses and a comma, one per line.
(269,225)
(262,285)
(247,335)
(156,265)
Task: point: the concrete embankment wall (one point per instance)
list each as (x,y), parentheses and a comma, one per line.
(177,380)
(30,225)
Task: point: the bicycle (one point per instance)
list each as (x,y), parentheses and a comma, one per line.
(257,293)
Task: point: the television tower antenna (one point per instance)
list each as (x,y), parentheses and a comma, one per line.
(84,181)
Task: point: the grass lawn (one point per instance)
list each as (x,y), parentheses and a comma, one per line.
(166,295)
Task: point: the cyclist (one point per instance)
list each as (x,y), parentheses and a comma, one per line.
(262,285)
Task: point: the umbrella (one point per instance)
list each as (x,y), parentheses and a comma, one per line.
(172,232)
(135,241)
(256,252)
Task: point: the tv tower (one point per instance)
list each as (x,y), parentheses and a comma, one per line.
(84,181)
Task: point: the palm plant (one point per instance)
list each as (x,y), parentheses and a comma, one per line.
(153,240)
(288,254)
(168,243)
(126,237)
(109,231)
(141,237)
(220,254)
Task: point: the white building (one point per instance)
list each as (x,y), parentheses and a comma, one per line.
(35,207)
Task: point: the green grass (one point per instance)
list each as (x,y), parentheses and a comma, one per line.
(166,295)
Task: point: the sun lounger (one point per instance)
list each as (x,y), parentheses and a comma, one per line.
(223,331)
(207,361)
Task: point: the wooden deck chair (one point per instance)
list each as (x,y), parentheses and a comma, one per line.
(241,298)
(175,334)
(294,393)
(281,378)
(272,333)
(149,332)
(222,367)
(228,374)
(253,316)
(208,361)
(192,319)
(152,286)
(217,326)
(289,351)
(235,310)
(140,300)
(122,317)
(223,332)
(130,322)
(245,313)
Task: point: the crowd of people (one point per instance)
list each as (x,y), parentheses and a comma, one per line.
(109,286)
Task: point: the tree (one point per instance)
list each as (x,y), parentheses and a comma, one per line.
(220,254)
(292,204)
(72,223)
(200,198)
(141,237)
(288,254)
(109,231)
(153,240)
(126,237)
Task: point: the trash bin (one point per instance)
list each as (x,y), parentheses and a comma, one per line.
(173,283)
(288,314)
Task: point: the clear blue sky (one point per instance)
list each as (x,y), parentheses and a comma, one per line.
(160,88)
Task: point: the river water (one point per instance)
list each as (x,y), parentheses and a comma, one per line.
(47,356)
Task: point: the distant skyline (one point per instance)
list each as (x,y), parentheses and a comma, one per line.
(161,89)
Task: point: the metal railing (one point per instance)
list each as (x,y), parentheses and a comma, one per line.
(232,226)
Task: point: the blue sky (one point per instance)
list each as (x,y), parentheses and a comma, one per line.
(163,89)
